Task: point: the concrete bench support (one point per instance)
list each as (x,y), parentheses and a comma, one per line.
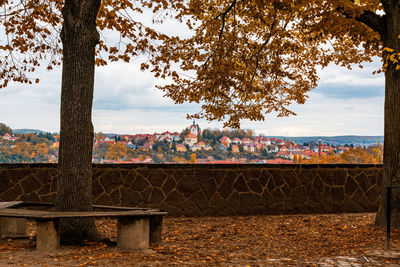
(12,227)
(47,236)
(133,232)
(156,228)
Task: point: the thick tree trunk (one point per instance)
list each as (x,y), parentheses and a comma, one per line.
(391,156)
(74,185)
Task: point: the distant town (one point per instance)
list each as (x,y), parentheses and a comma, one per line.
(194,145)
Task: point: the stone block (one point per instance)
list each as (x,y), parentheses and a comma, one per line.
(140,184)
(225,188)
(299,194)
(200,200)
(111,179)
(156,196)
(133,232)
(255,185)
(337,194)
(188,186)
(168,185)
(30,184)
(158,177)
(130,197)
(350,186)
(240,185)
(47,235)
(209,187)
(339,177)
(12,227)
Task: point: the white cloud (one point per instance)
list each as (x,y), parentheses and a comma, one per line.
(326,116)
(336,75)
(126,101)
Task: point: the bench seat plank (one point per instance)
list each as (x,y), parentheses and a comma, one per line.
(38,214)
(10,204)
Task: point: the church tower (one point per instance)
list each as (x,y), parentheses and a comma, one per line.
(194,128)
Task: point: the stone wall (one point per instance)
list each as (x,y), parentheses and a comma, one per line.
(199,190)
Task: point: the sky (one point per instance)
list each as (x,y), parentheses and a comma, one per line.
(346,102)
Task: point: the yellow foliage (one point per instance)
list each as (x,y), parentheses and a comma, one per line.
(116,152)
(193,158)
(295,160)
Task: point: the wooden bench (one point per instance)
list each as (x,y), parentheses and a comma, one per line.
(136,227)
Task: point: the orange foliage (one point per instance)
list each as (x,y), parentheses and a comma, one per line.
(244,59)
(116,152)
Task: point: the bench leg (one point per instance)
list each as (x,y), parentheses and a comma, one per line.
(12,227)
(133,232)
(155,228)
(47,236)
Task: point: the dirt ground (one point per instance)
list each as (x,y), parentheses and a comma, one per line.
(293,240)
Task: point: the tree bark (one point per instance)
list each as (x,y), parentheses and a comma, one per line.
(74,185)
(391,156)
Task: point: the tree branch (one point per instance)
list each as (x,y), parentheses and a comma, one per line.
(223,14)
(368,18)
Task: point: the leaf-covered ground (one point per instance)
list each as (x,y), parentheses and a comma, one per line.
(298,240)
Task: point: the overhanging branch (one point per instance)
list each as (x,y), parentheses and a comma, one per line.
(368,18)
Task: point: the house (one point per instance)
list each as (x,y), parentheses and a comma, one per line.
(147,146)
(266,141)
(283,154)
(175,136)
(307,154)
(283,148)
(250,147)
(106,140)
(235,149)
(157,135)
(195,147)
(148,159)
(279,142)
(236,140)
(246,141)
(226,141)
(131,146)
(257,139)
(9,137)
(273,149)
(221,147)
(208,147)
(190,139)
(201,144)
(294,148)
(164,136)
(326,148)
